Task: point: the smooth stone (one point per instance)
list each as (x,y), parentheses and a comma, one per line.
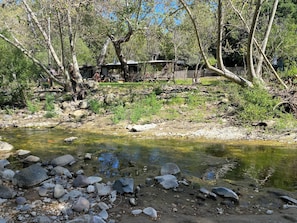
(103,189)
(70,139)
(136,212)
(94,179)
(81,181)
(42,191)
(103,214)
(63,160)
(70,196)
(31,159)
(82,205)
(20,200)
(103,206)
(59,191)
(60,171)
(91,189)
(82,219)
(150,212)
(4,146)
(22,152)
(6,192)
(4,163)
(8,174)
(225,192)
(167,181)
(141,128)
(30,176)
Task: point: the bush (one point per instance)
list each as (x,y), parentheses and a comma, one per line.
(255,104)
(143,108)
(94,105)
(49,103)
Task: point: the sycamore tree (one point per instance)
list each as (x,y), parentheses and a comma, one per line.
(249,14)
(37,27)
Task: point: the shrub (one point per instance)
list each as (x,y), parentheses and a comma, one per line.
(49,103)
(94,105)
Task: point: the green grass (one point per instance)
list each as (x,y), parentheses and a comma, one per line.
(94,105)
(134,112)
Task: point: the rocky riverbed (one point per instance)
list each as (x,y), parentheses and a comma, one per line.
(59,190)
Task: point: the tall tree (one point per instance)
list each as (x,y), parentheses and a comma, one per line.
(221,69)
(63,11)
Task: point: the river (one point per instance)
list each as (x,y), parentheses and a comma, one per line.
(265,165)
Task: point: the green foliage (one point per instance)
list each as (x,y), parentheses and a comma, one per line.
(254,104)
(15,72)
(50,114)
(32,107)
(49,103)
(94,105)
(285,121)
(119,113)
(141,109)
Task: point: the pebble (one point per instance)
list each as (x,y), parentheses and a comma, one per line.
(91,189)
(136,212)
(82,205)
(269,212)
(59,191)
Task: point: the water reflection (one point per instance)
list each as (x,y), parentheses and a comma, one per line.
(108,164)
(267,165)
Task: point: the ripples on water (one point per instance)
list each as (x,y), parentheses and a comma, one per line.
(267,165)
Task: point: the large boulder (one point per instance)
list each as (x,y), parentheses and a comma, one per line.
(30,176)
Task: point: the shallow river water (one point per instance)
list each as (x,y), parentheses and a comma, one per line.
(271,166)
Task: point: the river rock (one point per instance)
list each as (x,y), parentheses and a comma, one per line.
(59,191)
(20,200)
(124,185)
(3,163)
(150,212)
(82,205)
(82,219)
(60,171)
(141,128)
(31,159)
(98,219)
(94,179)
(22,152)
(30,176)
(136,212)
(70,139)
(63,160)
(103,214)
(72,195)
(167,181)
(170,168)
(6,192)
(91,189)
(103,189)
(81,181)
(5,147)
(225,192)
(7,174)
